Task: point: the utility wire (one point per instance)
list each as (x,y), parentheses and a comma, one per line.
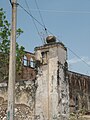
(33,20)
(30,15)
(40,15)
(43,25)
(45,29)
(75,54)
(57,11)
(52,34)
(79,57)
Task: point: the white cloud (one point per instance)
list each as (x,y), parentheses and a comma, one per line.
(74,60)
(77,60)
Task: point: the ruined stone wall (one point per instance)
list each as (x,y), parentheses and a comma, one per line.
(24,100)
(26,72)
(28,64)
(79,87)
(46,96)
(25,89)
(63,82)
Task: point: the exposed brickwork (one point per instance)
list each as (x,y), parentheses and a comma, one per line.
(28,72)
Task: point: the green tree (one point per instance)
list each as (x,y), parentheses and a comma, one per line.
(5,31)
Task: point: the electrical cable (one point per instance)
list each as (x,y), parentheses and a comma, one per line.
(33,19)
(57,11)
(52,34)
(41,16)
(79,57)
(39,13)
(30,15)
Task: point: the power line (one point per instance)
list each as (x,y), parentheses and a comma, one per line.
(57,11)
(33,19)
(79,57)
(45,29)
(52,34)
(30,15)
(40,15)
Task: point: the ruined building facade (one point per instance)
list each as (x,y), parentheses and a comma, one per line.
(45,89)
(79,91)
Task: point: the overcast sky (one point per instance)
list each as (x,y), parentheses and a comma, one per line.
(68,20)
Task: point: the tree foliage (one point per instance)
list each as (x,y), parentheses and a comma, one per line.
(5,32)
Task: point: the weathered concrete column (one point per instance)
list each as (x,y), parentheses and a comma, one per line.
(52,96)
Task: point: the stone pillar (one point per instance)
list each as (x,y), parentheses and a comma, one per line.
(52,96)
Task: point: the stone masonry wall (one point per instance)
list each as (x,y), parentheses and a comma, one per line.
(47,95)
(24,100)
(79,91)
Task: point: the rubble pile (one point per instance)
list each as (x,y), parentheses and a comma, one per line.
(22,112)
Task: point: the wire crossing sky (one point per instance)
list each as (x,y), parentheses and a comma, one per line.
(57,11)
(68,20)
